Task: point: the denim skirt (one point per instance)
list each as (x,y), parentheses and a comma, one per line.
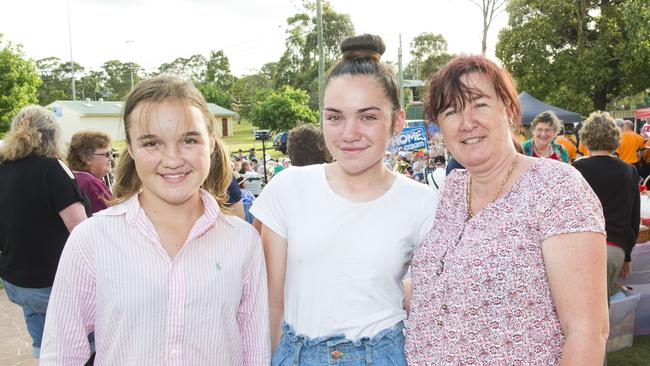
(384,349)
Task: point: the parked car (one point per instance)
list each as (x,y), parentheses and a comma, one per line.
(261,134)
(280,142)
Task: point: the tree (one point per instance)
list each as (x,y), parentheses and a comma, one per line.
(490,9)
(578,55)
(193,68)
(283,109)
(218,71)
(213,94)
(298,66)
(118,78)
(19,82)
(423,46)
(93,85)
(211,76)
(247,89)
(429,52)
(57,79)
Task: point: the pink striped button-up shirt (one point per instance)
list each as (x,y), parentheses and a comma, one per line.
(205,306)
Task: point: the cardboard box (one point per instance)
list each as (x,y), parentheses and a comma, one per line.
(622,318)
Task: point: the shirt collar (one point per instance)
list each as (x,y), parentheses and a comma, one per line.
(132,209)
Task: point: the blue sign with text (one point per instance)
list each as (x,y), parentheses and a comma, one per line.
(410,139)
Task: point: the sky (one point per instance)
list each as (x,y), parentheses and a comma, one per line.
(250,32)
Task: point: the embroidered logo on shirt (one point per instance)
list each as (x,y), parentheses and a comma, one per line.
(218,266)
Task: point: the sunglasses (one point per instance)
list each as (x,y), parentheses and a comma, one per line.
(107,155)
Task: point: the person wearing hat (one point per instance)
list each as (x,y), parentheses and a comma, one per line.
(247,197)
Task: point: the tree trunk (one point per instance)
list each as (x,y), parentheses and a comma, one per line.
(600,98)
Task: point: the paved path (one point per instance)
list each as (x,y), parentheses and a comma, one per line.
(15,343)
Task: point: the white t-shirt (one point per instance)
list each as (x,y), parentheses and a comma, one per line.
(345,260)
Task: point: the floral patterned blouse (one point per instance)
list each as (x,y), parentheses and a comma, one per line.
(480,291)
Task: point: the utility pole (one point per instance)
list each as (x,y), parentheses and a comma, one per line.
(131,65)
(74,92)
(321,62)
(399,74)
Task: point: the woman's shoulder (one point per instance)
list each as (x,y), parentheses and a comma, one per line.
(546,165)
(456,176)
(102,224)
(549,175)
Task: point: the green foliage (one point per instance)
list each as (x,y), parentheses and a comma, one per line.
(434,63)
(56,77)
(425,45)
(211,76)
(298,66)
(19,82)
(218,71)
(213,94)
(578,55)
(283,109)
(193,68)
(429,52)
(118,78)
(248,89)
(93,85)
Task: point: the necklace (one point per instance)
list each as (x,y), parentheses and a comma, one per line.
(470,214)
(547,150)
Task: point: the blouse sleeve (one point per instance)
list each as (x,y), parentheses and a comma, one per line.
(567,204)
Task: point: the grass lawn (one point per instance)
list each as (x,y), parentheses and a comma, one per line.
(638,355)
(242,139)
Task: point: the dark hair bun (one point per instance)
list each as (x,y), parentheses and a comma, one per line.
(365,46)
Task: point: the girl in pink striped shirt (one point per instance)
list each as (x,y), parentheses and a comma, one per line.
(165,276)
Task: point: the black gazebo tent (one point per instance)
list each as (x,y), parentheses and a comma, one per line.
(531,107)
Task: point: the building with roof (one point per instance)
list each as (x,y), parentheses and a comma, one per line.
(106,116)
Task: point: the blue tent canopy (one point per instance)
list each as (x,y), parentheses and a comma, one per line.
(531,107)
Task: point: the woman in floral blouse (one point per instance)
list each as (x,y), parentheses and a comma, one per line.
(513,270)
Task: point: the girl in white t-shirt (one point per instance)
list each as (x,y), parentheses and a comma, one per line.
(338,237)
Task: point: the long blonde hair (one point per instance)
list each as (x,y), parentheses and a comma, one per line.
(34,131)
(127,182)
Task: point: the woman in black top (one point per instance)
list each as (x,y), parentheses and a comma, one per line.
(40,203)
(617,185)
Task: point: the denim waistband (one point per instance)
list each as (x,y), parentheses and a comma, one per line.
(391,333)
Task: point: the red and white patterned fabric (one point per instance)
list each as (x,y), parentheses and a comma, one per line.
(491,305)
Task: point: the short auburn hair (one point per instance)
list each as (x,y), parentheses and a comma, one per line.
(446,88)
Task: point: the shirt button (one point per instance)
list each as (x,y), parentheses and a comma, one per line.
(444,307)
(337,354)
(440,323)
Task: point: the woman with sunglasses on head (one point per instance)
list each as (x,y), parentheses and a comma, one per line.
(338,237)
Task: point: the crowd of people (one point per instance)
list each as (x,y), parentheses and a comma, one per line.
(342,253)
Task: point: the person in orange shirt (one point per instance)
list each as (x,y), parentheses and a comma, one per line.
(631,143)
(568,144)
(582,150)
